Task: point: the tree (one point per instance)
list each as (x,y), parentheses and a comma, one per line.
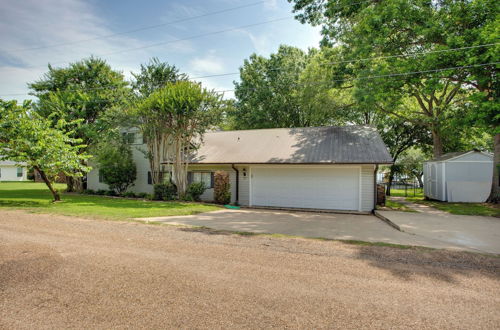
(268,94)
(153,76)
(412,164)
(430,29)
(117,165)
(85,94)
(177,116)
(27,137)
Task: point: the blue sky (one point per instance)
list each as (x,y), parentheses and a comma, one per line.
(30,24)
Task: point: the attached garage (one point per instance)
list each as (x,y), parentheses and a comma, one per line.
(320,187)
(326,168)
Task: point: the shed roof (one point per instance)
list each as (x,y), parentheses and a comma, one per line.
(451,155)
(310,145)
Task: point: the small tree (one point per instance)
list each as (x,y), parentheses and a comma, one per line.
(222,192)
(27,137)
(117,166)
(178,115)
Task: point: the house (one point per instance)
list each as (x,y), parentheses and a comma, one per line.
(459,177)
(331,168)
(12,171)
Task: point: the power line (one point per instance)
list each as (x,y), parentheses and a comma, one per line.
(181,39)
(149,27)
(341,80)
(328,63)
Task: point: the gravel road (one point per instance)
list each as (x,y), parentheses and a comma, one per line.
(65,272)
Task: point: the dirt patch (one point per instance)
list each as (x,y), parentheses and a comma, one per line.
(62,272)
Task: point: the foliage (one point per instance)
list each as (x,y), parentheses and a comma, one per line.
(129,194)
(164,192)
(412,164)
(86,94)
(175,118)
(27,137)
(116,165)
(222,188)
(268,94)
(34,198)
(195,190)
(154,76)
(377,29)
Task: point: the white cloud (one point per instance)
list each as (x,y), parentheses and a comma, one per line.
(209,64)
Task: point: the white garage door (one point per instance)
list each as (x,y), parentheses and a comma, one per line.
(334,188)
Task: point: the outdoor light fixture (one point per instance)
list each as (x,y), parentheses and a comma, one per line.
(244,172)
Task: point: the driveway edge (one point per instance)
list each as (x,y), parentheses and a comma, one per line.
(386,220)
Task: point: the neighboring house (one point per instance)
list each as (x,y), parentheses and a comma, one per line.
(459,177)
(12,171)
(331,168)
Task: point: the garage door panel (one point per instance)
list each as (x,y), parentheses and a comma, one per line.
(323,188)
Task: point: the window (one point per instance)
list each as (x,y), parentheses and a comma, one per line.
(144,139)
(101,177)
(206,177)
(19,172)
(129,138)
(165,177)
(150,178)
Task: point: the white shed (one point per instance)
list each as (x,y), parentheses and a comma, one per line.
(12,171)
(459,177)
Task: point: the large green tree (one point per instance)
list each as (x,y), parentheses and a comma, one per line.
(85,93)
(269,92)
(155,75)
(27,137)
(174,119)
(376,33)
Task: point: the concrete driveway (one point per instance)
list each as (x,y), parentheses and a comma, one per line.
(306,224)
(477,233)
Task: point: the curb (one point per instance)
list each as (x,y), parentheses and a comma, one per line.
(386,220)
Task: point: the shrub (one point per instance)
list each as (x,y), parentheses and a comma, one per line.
(89,192)
(222,187)
(129,194)
(150,197)
(164,192)
(100,192)
(111,193)
(117,166)
(142,195)
(195,190)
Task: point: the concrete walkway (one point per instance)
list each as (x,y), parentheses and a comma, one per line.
(478,233)
(417,207)
(306,224)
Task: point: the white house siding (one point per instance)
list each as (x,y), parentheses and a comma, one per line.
(9,173)
(367,188)
(244,185)
(208,195)
(142,165)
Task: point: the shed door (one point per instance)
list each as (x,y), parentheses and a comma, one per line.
(333,188)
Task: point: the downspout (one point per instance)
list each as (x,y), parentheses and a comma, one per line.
(237,197)
(375,187)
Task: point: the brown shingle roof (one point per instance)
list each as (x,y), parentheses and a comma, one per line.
(311,145)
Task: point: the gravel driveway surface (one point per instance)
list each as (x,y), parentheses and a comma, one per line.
(62,272)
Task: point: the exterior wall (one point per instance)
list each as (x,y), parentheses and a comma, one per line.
(367,188)
(208,195)
(244,185)
(466,178)
(141,162)
(9,173)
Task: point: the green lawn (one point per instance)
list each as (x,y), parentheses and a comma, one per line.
(453,208)
(393,205)
(35,197)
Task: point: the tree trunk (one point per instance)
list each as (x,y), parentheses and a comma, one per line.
(389,183)
(495,184)
(419,178)
(55,193)
(437,143)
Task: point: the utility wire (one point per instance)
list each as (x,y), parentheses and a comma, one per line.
(331,81)
(149,27)
(327,63)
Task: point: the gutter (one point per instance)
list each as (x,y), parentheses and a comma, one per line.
(237,197)
(375,187)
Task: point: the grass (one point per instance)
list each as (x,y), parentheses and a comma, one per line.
(483,209)
(35,197)
(396,206)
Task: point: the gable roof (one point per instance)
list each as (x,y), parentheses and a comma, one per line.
(310,145)
(451,155)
